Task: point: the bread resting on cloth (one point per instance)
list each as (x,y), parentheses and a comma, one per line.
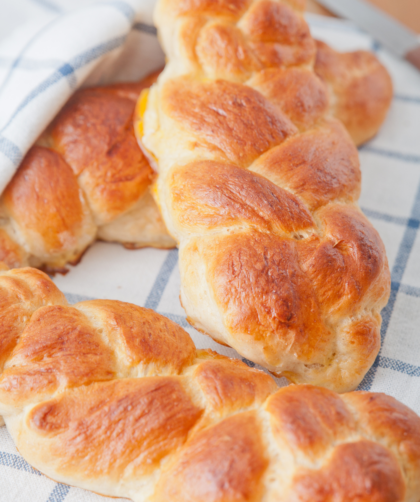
(258,183)
(114,398)
(85,179)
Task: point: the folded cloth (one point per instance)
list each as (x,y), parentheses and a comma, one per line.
(46,60)
(149,277)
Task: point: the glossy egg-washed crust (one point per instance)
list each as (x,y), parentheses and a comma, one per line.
(85,179)
(258,183)
(115,398)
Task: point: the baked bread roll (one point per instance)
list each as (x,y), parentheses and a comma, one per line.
(85,179)
(114,398)
(259,186)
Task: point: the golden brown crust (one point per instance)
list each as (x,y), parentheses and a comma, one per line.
(58,347)
(21,292)
(199,428)
(230,385)
(209,194)
(278,36)
(362,471)
(232,118)
(361,88)
(94,134)
(102,113)
(44,198)
(114,175)
(224,463)
(361,339)
(223,51)
(319,166)
(12,316)
(103,429)
(347,263)
(33,286)
(309,418)
(144,336)
(266,298)
(383,416)
(299,93)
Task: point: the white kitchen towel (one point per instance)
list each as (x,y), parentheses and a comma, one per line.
(390,198)
(46,59)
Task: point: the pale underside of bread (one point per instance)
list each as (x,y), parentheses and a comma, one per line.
(92,181)
(114,398)
(258,183)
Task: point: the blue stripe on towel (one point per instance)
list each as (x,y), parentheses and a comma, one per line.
(405,157)
(400,366)
(17,462)
(10,150)
(16,62)
(59,493)
(403,255)
(162,280)
(77,62)
(146,28)
(408,99)
(410,222)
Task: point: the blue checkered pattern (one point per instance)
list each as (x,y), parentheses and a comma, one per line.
(390,199)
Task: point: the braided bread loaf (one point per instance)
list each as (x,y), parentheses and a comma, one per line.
(258,184)
(86,178)
(115,398)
